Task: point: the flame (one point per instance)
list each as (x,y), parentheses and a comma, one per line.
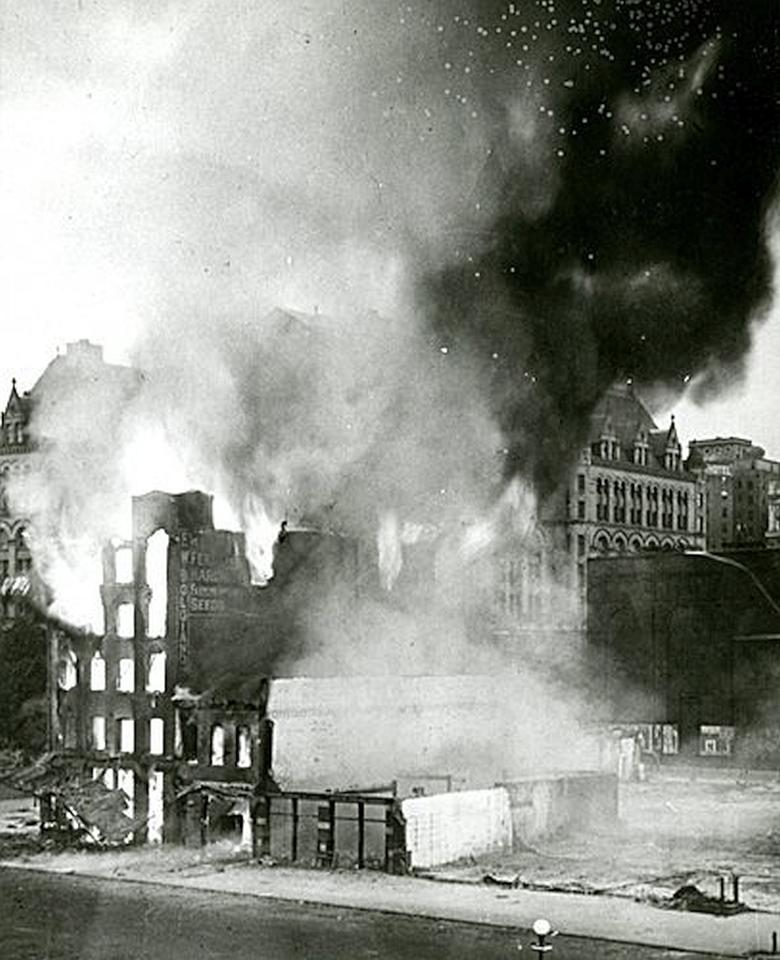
(72,568)
(516,506)
(260,529)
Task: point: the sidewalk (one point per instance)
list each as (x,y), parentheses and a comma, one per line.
(576,915)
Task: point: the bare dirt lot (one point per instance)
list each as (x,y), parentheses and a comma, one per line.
(674,830)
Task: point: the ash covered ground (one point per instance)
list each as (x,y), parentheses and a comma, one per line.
(674,830)
(677,829)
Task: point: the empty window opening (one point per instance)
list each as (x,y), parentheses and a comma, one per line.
(69,732)
(97,673)
(217,745)
(124,565)
(68,676)
(186,735)
(243,747)
(126,783)
(157,579)
(125,626)
(154,824)
(155,682)
(156,735)
(98,733)
(126,729)
(125,680)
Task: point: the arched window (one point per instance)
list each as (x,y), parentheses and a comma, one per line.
(243,747)
(68,675)
(97,672)
(217,745)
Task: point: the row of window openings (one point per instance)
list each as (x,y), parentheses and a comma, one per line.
(22,566)
(522,588)
(19,538)
(637,495)
(14,433)
(602,545)
(125,679)
(611,450)
(126,740)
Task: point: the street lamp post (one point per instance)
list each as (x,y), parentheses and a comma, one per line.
(542,930)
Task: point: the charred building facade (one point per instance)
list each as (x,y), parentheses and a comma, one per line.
(133,707)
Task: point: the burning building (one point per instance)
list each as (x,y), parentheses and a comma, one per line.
(132,707)
(171,704)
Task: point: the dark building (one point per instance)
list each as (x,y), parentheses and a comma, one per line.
(740,482)
(691,640)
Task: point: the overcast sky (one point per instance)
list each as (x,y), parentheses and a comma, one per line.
(165,158)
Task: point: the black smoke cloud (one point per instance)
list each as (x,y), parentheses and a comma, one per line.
(634,162)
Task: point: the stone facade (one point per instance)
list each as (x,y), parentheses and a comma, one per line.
(16,460)
(741,481)
(629,492)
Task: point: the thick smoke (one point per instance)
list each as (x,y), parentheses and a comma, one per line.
(485,214)
(635,157)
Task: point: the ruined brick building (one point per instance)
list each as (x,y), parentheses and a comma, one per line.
(140,706)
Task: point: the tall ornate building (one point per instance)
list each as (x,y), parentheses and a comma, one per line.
(15,449)
(741,483)
(630,492)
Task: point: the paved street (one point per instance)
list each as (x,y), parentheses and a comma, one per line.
(57,917)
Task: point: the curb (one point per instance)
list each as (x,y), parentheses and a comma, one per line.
(207,885)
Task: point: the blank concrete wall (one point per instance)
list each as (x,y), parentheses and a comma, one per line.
(565,803)
(444,732)
(448,826)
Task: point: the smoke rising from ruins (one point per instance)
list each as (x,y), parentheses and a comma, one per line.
(484,215)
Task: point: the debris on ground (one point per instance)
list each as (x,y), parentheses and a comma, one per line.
(494,880)
(690,898)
